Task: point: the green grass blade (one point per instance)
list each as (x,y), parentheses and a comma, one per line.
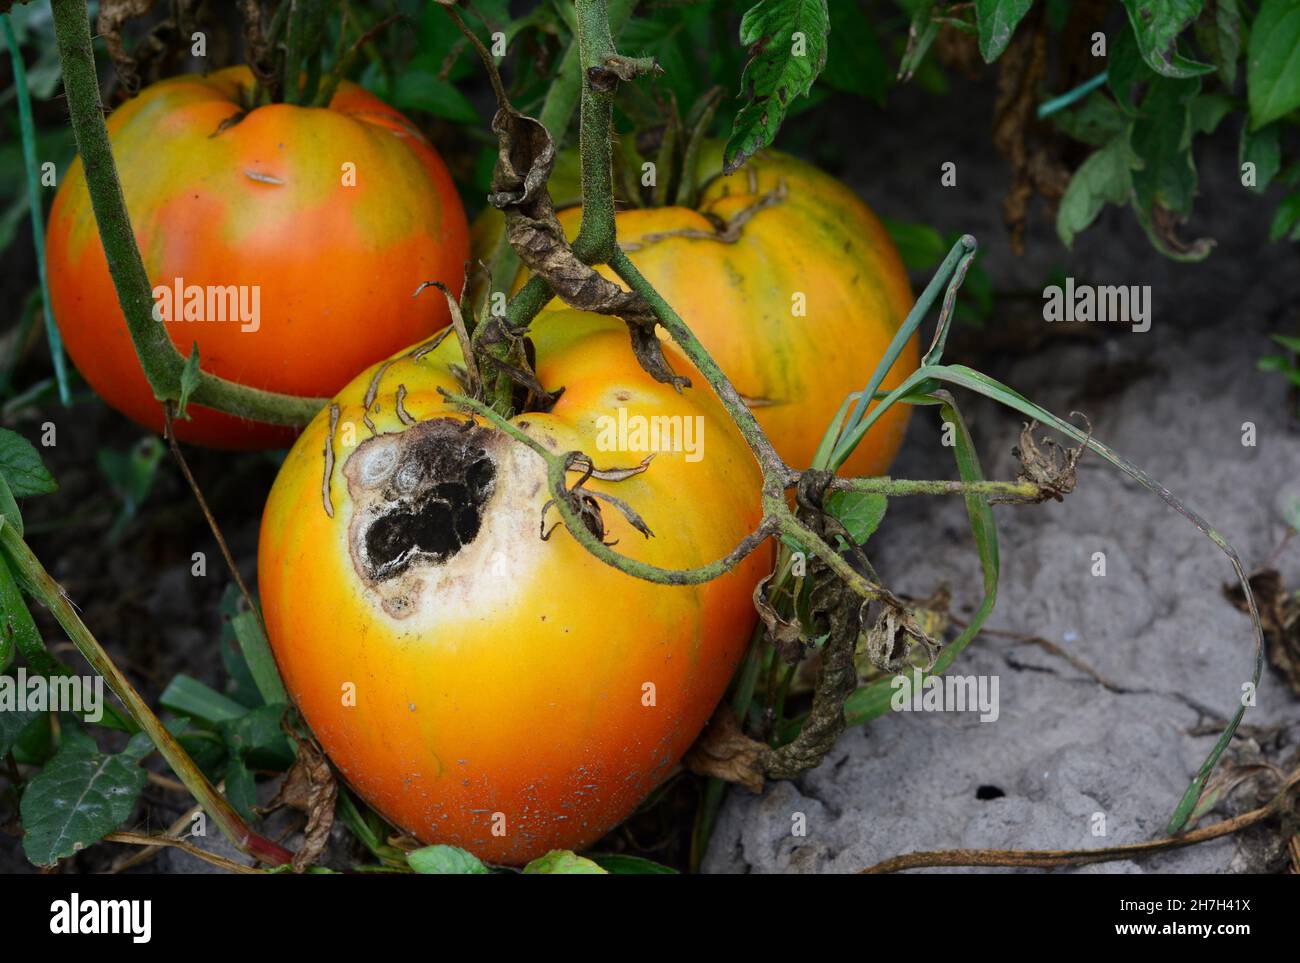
(964,247)
(990,388)
(873,700)
(28,128)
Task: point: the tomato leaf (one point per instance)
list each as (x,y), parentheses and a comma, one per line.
(1221,39)
(854,61)
(1125,69)
(1286,221)
(1162,141)
(22,467)
(1273,62)
(423,90)
(787,47)
(446,861)
(79,797)
(1104,178)
(1097,121)
(563,862)
(997,21)
(1157,24)
(1261,148)
(1208,111)
(859,512)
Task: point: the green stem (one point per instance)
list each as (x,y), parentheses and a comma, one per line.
(50,594)
(28,129)
(159,358)
(595,243)
(906,486)
(557,470)
(556,114)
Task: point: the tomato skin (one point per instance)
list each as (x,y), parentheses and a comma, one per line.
(512,678)
(820,240)
(260,203)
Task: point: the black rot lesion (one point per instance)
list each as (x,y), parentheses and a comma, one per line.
(420,495)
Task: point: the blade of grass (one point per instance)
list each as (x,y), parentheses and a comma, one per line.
(873,699)
(952,267)
(28,130)
(982,384)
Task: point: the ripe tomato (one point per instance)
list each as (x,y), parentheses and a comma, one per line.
(317,223)
(816,249)
(479,685)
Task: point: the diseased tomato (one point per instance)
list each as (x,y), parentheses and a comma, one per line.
(797,302)
(476,683)
(307,229)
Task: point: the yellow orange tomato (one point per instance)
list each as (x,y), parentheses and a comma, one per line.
(797,303)
(308,229)
(477,684)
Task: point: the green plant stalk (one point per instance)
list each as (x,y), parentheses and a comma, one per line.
(161,362)
(596,242)
(557,111)
(50,594)
(28,130)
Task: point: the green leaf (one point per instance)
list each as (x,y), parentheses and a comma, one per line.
(79,797)
(854,61)
(1286,221)
(1288,341)
(1105,177)
(189,381)
(1125,69)
(13,724)
(1263,149)
(620,865)
(787,46)
(997,21)
(446,861)
(919,245)
(1208,111)
(257,654)
(22,467)
(1162,141)
(874,699)
(1273,62)
(921,34)
(1156,25)
(188,696)
(259,738)
(859,512)
(563,862)
(241,788)
(131,474)
(423,90)
(18,632)
(1221,39)
(1097,121)
(9,513)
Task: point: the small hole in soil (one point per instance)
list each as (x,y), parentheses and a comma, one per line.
(989,792)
